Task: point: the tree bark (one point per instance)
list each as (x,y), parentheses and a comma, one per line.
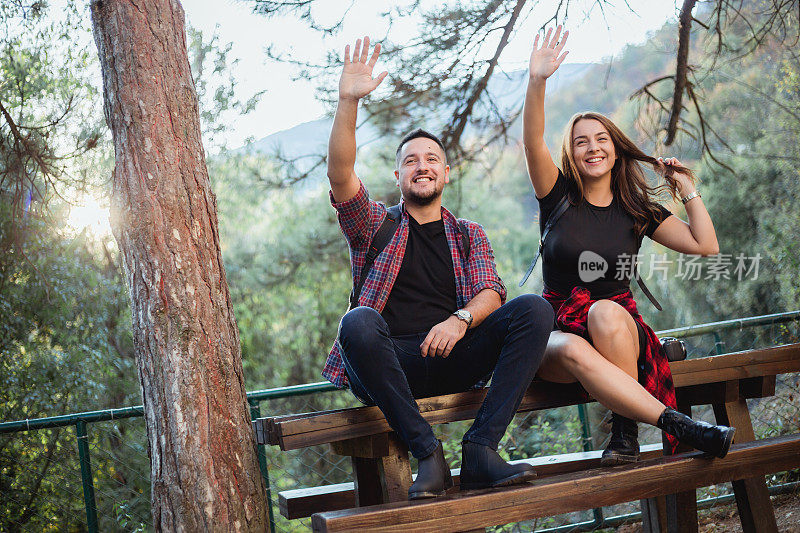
(205,474)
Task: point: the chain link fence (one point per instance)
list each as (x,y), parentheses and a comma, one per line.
(43,486)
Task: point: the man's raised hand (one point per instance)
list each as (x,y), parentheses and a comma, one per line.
(357,81)
(546,60)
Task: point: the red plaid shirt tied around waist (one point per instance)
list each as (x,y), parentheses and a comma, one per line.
(360,218)
(656,377)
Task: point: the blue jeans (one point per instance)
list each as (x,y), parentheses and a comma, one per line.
(390,371)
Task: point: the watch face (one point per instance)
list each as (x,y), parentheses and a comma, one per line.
(464,315)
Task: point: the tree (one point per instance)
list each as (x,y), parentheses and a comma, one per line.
(443,72)
(205,474)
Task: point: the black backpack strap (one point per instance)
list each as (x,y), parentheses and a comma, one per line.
(379,241)
(644,288)
(560,209)
(464,231)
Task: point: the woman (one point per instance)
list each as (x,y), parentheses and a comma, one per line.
(601,340)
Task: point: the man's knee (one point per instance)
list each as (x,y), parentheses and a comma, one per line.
(360,326)
(535,309)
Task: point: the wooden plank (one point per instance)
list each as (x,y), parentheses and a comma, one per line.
(761,387)
(395,471)
(302,503)
(681,507)
(371,446)
(367,486)
(752,496)
(654,514)
(296,431)
(709,393)
(569,492)
(739,365)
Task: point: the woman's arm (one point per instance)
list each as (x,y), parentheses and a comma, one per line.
(544,62)
(695,237)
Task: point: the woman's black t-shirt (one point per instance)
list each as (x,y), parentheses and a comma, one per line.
(590,246)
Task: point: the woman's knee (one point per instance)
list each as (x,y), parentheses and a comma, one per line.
(606,318)
(576,355)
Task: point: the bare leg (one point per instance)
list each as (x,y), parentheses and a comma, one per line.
(614,334)
(569,358)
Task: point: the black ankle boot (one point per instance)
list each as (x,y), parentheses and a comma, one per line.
(714,440)
(433,476)
(624,444)
(482,467)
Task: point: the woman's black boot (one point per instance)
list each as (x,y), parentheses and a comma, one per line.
(433,476)
(624,444)
(482,467)
(714,440)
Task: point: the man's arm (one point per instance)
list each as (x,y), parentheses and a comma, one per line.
(444,335)
(355,83)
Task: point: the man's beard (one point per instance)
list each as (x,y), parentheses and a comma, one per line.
(420,200)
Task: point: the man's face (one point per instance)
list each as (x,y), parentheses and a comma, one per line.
(422,171)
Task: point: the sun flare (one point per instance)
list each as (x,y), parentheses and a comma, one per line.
(89,214)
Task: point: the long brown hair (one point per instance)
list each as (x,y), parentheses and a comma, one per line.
(628,182)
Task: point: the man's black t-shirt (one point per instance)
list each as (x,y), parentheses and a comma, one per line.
(424,292)
(590,246)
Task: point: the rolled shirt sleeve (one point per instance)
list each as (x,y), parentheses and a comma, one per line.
(481,269)
(354,215)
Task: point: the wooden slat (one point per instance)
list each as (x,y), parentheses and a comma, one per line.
(751,363)
(681,507)
(309,429)
(752,496)
(302,503)
(570,492)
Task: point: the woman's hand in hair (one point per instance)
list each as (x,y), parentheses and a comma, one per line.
(546,60)
(674,171)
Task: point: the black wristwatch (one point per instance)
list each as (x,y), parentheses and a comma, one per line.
(466,316)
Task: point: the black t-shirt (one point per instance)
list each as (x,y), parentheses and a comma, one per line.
(590,246)
(424,292)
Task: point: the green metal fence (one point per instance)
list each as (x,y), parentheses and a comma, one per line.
(113,466)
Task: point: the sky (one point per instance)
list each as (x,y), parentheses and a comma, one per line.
(287,103)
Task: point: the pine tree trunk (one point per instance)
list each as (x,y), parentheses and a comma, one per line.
(205,474)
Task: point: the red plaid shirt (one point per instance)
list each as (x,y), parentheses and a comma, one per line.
(360,218)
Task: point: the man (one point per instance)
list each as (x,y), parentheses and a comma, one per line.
(429,321)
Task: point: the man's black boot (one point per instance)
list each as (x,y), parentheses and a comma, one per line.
(433,476)
(624,444)
(714,440)
(482,467)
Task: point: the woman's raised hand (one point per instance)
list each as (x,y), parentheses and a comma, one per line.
(356,81)
(546,60)
(672,169)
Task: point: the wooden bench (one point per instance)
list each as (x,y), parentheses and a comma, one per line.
(382,471)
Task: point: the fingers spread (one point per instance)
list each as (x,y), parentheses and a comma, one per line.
(546,43)
(554,42)
(380,77)
(357,50)
(375,54)
(561,59)
(563,42)
(365,50)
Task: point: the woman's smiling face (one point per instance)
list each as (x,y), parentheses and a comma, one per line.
(592,149)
